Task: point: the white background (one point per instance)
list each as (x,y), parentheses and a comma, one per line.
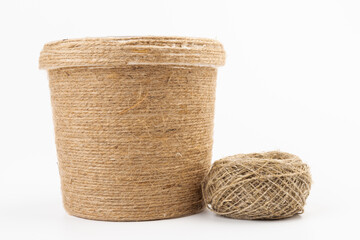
(291,83)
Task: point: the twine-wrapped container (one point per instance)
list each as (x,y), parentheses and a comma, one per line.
(133,123)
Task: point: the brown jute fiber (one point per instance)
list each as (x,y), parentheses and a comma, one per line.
(133,123)
(270,185)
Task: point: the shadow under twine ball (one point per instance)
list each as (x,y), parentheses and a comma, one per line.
(270,185)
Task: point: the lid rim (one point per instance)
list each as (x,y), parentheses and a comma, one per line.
(115,51)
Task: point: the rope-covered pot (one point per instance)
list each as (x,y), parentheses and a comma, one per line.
(133,123)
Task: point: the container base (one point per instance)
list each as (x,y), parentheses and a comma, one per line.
(137,217)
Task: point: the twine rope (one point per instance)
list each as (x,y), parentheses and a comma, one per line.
(271,185)
(133,124)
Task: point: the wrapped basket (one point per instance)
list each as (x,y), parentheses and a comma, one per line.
(133,123)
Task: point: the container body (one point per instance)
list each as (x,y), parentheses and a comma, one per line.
(134,142)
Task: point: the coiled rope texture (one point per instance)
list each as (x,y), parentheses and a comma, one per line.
(133,124)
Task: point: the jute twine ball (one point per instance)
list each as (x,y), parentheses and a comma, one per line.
(270,185)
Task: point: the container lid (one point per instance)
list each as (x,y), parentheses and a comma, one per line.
(115,51)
